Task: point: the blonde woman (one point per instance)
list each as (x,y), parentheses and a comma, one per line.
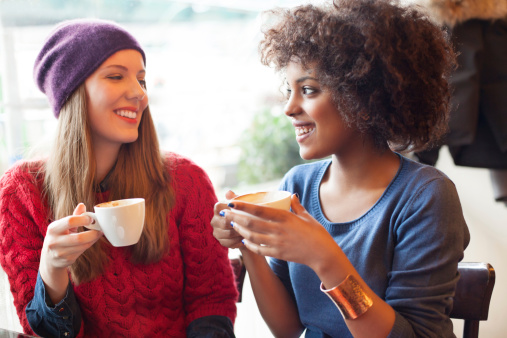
(66,281)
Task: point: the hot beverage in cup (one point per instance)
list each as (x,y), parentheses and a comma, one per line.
(273,199)
(121,221)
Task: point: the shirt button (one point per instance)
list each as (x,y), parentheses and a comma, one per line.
(65,317)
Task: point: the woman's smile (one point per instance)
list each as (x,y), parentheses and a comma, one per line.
(303,132)
(128,115)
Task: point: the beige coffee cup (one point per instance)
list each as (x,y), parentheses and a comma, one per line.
(121,221)
(273,199)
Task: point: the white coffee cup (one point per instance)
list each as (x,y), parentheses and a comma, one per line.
(121,221)
(274,199)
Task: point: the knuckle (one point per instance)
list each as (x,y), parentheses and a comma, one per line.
(52,247)
(248,223)
(257,250)
(56,254)
(251,237)
(79,238)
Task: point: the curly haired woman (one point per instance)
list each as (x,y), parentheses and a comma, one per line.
(373,241)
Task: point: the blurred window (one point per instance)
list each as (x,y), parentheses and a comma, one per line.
(204,77)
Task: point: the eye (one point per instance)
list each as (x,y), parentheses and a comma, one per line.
(115,77)
(288,91)
(142,82)
(308,90)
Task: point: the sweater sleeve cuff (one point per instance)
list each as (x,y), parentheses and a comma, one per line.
(211,327)
(46,319)
(401,328)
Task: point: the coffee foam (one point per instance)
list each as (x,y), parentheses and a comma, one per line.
(262,197)
(109,204)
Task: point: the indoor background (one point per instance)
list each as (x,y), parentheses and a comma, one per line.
(212,101)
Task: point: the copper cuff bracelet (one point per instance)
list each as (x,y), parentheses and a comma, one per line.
(349,297)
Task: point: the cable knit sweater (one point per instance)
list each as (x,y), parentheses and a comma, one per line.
(194,280)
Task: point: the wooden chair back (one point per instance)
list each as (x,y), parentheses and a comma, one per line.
(239,269)
(473,295)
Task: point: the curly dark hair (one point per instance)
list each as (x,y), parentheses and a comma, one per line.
(386,66)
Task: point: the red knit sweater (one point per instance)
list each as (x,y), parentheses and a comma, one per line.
(194,280)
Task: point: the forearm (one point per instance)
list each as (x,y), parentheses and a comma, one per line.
(55,281)
(274,302)
(332,268)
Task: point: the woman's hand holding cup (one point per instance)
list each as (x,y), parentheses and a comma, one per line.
(62,245)
(275,231)
(223,232)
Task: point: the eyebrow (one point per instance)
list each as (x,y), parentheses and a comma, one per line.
(304,78)
(124,68)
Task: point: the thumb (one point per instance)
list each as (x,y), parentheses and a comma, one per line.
(79,209)
(230,194)
(296,206)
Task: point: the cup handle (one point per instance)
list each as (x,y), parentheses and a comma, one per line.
(95,225)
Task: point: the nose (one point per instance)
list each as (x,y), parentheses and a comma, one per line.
(136,91)
(292,107)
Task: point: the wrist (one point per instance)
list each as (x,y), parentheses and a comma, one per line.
(349,297)
(247,253)
(56,280)
(50,271)
(331,264)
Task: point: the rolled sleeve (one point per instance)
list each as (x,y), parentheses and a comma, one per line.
(48,320)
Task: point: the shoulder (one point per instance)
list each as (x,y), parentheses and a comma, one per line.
(419,186)
(23,175)
(187,178)
(21,192)
(180,167)
(414,174)
(194,192)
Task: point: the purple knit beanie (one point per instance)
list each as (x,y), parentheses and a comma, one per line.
(73,51)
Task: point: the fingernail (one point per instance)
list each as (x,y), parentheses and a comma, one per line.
(297,195)
(232,224)
(222,213)
(230,205)
(243,241)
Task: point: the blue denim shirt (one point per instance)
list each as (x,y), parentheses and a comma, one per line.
(49,320)
(64,319)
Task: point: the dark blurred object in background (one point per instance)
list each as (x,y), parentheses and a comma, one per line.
(478,124)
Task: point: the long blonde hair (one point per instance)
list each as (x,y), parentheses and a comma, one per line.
(140,171)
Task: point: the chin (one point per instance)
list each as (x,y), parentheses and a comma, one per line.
(306,156)
(130,139)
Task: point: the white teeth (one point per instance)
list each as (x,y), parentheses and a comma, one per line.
(303,130)
(126,113)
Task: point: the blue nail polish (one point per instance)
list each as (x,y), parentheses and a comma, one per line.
(230,205)
(222,213)
(232,224)
(243,241)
